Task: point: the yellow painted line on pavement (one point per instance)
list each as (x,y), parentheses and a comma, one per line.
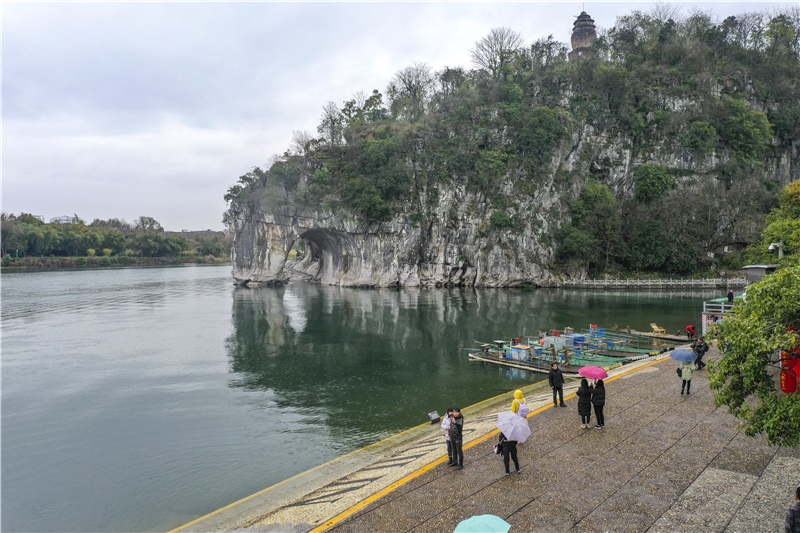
(273,487)
(400,482)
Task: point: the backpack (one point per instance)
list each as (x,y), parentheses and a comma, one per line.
(523,410)
(498,448)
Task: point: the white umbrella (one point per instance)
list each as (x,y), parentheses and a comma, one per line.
(513,426)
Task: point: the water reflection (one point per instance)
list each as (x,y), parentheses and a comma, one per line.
(373,361)
(369,361)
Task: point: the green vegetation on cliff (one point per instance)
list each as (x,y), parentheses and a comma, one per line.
(682,130)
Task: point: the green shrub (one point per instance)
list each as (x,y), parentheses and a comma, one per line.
(500,219)
(701,138)
(651,182)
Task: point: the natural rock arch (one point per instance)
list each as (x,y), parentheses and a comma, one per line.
(340,251)
(343,250)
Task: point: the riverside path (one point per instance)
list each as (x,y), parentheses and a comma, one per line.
(663,463)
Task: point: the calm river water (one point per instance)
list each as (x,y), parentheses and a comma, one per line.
(140,399)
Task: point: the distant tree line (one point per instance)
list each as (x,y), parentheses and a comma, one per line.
(25,235)
(719,96)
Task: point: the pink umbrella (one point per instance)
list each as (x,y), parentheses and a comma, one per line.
(593,372)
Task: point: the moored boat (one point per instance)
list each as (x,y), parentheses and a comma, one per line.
(572,351)
(539,360)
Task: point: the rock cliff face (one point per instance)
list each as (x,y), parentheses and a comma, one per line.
(455,246)
(455,243)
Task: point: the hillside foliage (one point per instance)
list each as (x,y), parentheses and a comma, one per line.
(25,235)
(699,106)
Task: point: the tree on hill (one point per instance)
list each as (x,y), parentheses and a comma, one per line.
(497,50)
(751,340)
(783,226)
(684,122)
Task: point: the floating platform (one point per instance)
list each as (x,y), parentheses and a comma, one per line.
(542,366)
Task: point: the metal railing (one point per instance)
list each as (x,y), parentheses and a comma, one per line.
(705,283)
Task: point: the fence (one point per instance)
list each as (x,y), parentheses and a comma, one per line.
(705,283)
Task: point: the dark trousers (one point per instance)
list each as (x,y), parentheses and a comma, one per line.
(687,383)
(510,450)
(458,453)
(585,419)
(699,361)
(449,451)
(560,392)
(598,414)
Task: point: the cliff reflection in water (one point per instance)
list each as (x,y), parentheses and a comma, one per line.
(372,362)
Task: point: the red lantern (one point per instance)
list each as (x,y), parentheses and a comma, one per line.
(790,367)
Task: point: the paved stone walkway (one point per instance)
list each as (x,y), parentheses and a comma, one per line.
(664,462)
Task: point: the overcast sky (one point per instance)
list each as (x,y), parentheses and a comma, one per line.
(117,110)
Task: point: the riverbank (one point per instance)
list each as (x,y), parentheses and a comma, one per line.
(22,264)
(664,462)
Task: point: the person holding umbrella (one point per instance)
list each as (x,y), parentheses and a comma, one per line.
(509,452)
(686,376)
(585,391)
(513,428)
(584,394)
(686,359)
(599,402)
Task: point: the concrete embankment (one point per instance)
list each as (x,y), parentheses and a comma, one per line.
(664,462)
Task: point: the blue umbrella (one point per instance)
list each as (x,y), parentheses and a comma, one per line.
(484,523)
(683,355)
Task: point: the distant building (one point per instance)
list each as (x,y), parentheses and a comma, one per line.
(64,220)
(583,36)
(757,272)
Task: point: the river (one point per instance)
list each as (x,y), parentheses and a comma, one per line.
(140,399)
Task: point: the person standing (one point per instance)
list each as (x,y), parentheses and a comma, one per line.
(456,437)
(584,394)
(700,348)
(446,421)
(518,405)
(509,452)
(556,380)
(792,521)
(730,296)
(599,402)
(686,376)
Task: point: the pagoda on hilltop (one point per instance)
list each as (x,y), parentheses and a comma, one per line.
(583,36)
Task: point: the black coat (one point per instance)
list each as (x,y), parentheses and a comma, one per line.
(599,396)
(457,427)
(556,378)
(584,400)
